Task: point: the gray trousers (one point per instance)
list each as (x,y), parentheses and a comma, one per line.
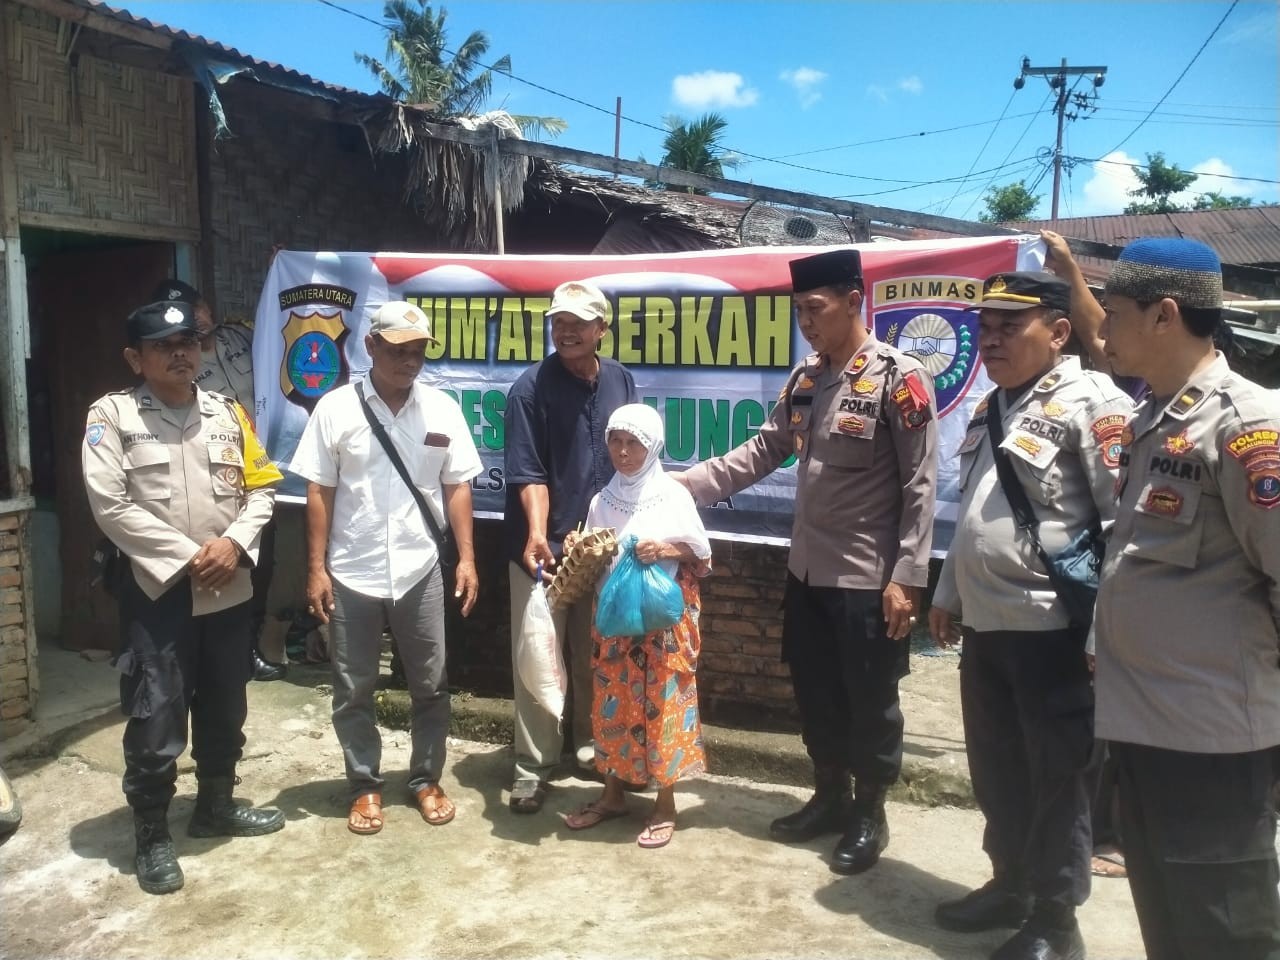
(538,738)
(416,621)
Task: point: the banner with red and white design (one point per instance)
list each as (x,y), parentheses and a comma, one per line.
(709,337)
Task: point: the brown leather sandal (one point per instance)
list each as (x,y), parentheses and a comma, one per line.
(368,808)
(435,807)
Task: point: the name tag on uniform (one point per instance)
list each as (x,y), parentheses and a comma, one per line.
(436,440)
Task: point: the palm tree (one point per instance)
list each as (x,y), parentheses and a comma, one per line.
(696,146)
(414,69)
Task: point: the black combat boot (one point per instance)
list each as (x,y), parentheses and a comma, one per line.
(217,815)
(155,862)
(998,903)
(1050,933)
(825,812)
(867,832)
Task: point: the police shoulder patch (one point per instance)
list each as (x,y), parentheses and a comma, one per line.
(94,432)
(1258,451)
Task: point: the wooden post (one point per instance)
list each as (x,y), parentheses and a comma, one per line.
(493,161)
(16,340)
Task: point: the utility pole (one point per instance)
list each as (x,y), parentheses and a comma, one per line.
(1057,80)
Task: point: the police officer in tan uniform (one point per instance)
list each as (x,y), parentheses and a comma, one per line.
(1188,616)
(226,349)
(178,481)
(226,367)
(859,417)
(1024,680)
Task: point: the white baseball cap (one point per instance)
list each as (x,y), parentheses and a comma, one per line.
(584,300)
(399,321)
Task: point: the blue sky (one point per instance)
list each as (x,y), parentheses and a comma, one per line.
(864,94)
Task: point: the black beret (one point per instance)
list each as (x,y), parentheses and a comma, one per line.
(1024,290)
(162,319)
(827,269)
(177,290)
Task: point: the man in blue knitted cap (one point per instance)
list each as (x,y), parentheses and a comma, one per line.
(1188,616)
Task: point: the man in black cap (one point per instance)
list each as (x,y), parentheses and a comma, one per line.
(226,367)
(178,481)
(1037,466)
(859,417)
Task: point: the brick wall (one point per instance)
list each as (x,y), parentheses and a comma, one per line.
(17,698)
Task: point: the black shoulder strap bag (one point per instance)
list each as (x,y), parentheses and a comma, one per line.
(446,547)
(1073,572)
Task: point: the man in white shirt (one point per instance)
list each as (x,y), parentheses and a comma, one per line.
(372,560)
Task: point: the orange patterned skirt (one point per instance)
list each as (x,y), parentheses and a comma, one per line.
(644,714)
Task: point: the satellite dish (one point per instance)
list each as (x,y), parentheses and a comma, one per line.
(776,225)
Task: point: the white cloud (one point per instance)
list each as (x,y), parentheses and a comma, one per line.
(712,88)
(805,82)
(912,85)
(1107,191)
(1258,29)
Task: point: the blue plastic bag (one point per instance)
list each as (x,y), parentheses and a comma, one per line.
(638,598)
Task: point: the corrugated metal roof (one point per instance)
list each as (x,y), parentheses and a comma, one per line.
(1248,235)
(222,50)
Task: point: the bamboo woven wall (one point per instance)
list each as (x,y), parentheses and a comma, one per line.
(300,182)
(97,141)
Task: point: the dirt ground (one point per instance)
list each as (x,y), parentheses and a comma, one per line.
(488,885)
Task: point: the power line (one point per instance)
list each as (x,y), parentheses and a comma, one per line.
(1199,116)
(1143,166)
(913,184)
(1143,121)
(983,148)
(1016,143)
(901,136)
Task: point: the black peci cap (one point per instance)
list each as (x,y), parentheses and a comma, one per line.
(178,291)
(827,269)
(162,319)
(1023,291)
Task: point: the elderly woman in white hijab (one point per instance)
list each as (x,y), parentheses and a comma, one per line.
(645,703)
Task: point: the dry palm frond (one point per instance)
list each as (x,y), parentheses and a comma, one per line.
(449,183)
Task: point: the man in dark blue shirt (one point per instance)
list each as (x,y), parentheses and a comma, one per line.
(556,461)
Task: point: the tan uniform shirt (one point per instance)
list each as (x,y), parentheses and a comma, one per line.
(162,482)
(1063,438)
(1188,618)
(228,368)
(865,440)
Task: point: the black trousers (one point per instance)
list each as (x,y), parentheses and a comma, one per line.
(1199,844)
(172,665)
(845,672)
(1028,728)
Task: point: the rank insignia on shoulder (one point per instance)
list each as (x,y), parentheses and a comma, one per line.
(1190,397)
(1179,444)
(1048,383)
(859,362)
(982,405)
(796,416)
